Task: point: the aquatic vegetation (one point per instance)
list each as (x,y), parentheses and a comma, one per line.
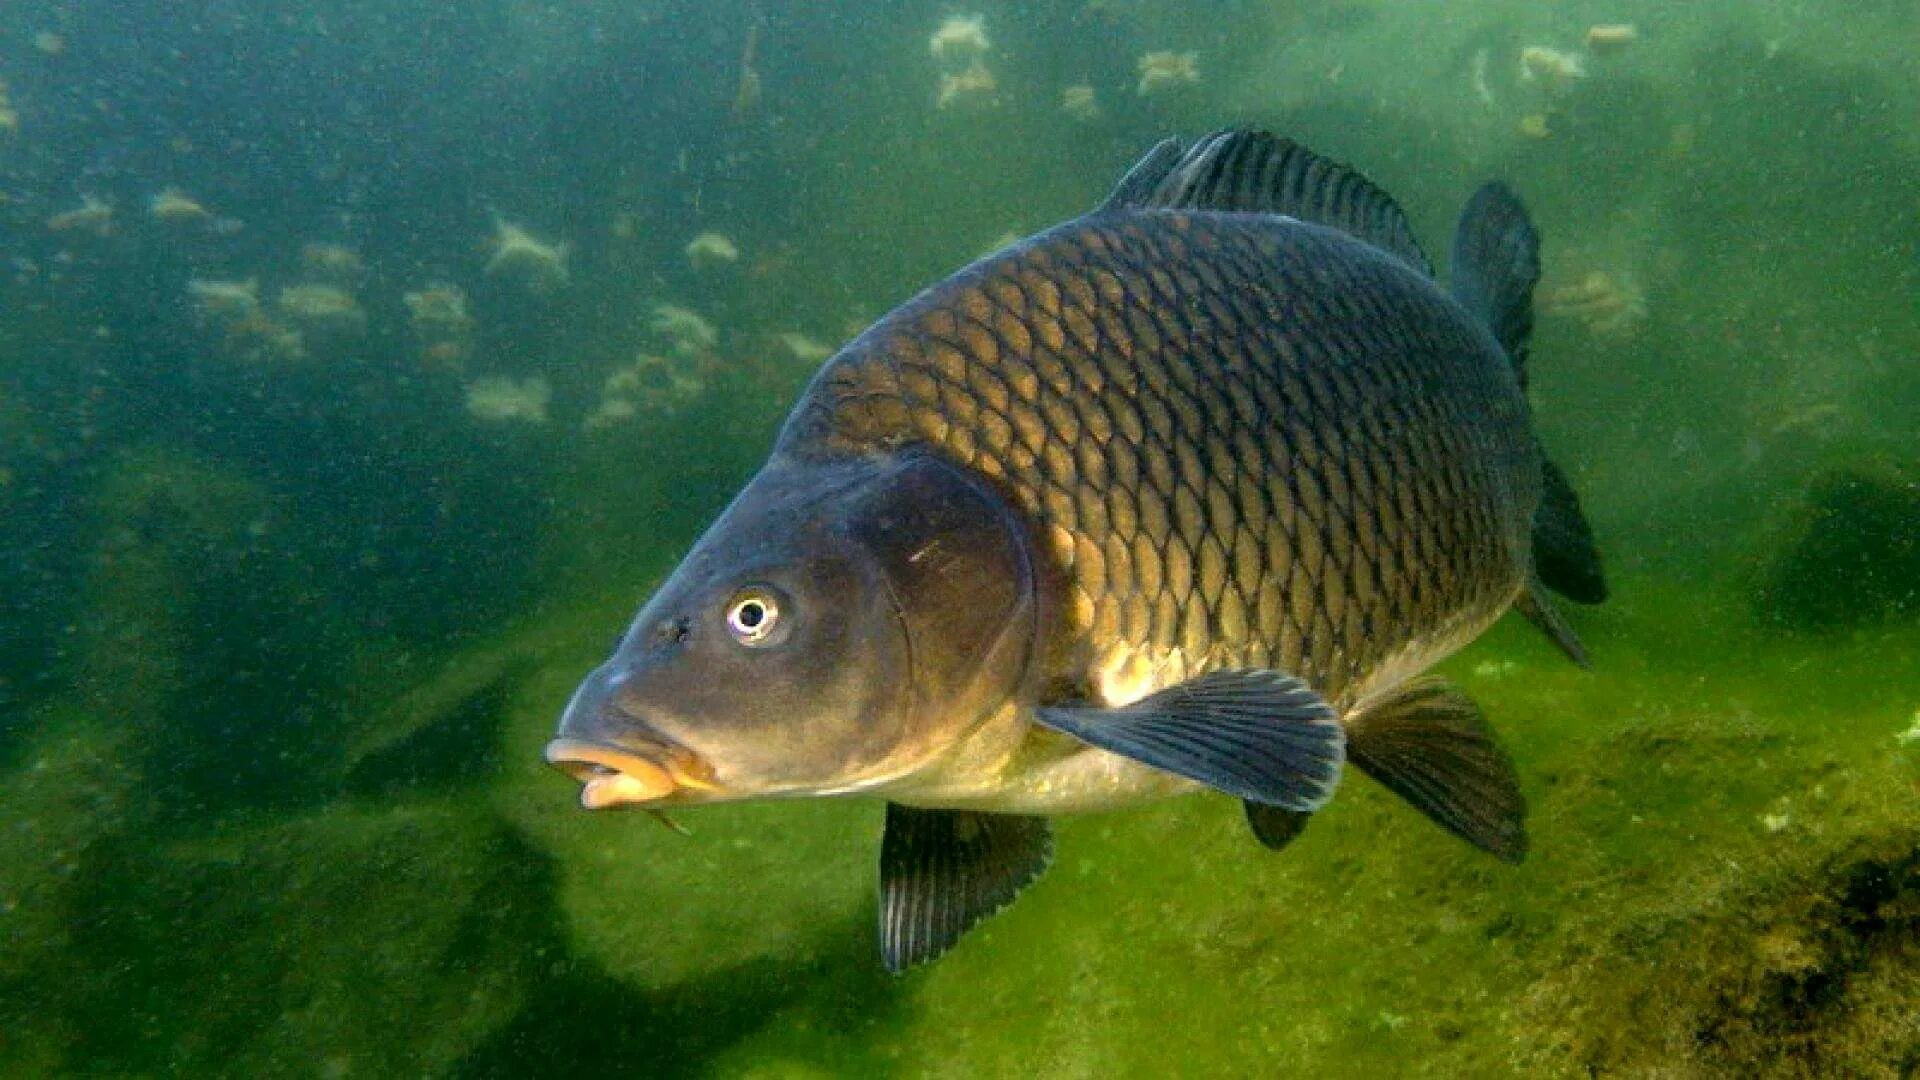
(500,398)
(520,255)
(961,38)
(1080,102)
(966,85)
(1164,71)
(93,215)
(709,250)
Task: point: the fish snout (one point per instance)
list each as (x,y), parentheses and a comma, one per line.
(616,757)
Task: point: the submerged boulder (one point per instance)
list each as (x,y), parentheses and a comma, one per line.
(1851,555)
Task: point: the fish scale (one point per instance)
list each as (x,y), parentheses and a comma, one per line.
(1243,440)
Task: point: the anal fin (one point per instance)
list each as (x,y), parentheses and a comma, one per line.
(1428,744)
(942,871)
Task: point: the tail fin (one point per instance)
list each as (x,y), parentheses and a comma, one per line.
(1496,263)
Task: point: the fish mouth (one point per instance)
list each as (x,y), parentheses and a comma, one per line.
(616,776)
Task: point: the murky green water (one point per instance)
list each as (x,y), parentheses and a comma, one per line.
(363,363)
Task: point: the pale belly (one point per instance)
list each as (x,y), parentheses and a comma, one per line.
(1012,766)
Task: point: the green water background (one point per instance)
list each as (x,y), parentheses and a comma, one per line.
(282,640)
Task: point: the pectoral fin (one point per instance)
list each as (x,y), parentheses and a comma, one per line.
(942,871)
(1429,745)
(1260,735)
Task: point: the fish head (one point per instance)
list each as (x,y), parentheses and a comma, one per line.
(842,625)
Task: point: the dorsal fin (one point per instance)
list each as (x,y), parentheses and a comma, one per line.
(1255,172)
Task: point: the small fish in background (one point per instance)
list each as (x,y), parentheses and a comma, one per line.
(522,256)
(711,250)
(1164,71)
(173,205)
(961,39)
(1181,495)
(747,93)
(972,83)
(93,215)
(1080,102)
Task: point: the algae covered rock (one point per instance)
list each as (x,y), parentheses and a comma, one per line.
(1852,555)
(375,942)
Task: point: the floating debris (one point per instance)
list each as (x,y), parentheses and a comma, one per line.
(332,264)
(1550,68)
(174,205)
(1604,303)
(688,333)
(651,384)
(226,302)
(1611,37)
(49,43)
(91,216)
(502,399)
(711,249)
(9,116)
(1163,71)
(322,307)
(1535,126)
(1776,822)
(1080,102)
(961,39)
(974,82)
(517,253)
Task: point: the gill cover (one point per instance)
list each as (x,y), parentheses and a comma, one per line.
(960,580)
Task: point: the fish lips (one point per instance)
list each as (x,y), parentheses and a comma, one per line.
(617,758)
(612,776)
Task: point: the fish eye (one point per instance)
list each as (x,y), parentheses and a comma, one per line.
(752,615)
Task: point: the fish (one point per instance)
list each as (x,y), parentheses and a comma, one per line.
(1185,494)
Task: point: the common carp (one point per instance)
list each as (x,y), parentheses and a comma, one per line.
(1182,494)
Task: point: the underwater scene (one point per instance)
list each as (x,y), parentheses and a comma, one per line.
(369,369)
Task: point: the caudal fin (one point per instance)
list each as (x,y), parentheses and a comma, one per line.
(1496,263)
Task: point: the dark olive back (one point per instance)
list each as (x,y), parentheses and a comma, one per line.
(1243,440)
